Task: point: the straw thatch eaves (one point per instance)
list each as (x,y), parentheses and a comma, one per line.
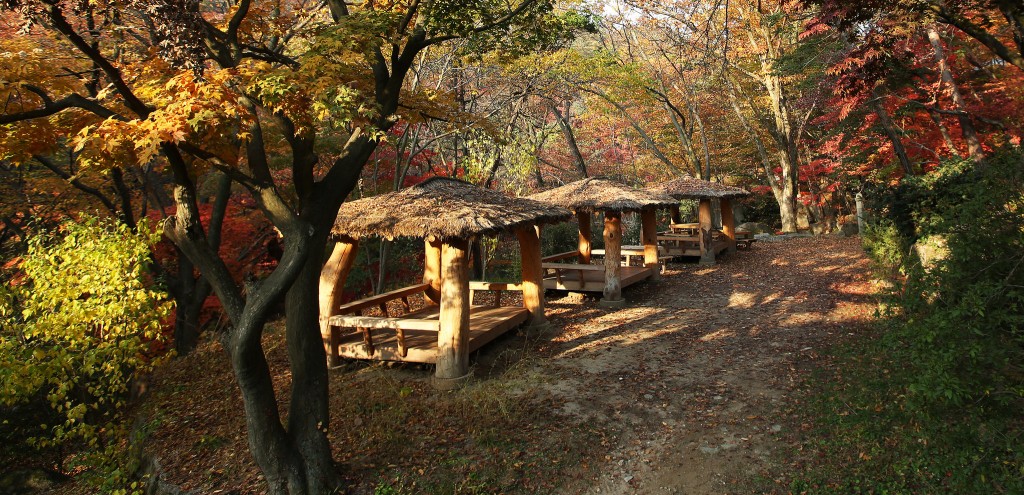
(589,195)
(441,208)
(690,187)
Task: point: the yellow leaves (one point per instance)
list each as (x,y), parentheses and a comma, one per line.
(189,109)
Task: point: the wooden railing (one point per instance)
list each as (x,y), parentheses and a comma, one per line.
(560,256)
(351,316)
(498,288)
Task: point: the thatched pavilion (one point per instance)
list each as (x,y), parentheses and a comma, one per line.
(706,243)
(447,214)
(585,197)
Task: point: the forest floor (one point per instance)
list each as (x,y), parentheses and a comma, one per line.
(695,387)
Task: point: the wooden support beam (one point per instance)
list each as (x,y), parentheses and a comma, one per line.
(728,223)
(612,253)
(707,252)
(332,284)
(533,274)
(649,238)
(583,218)
(453,333)
(676,217)
(432,269)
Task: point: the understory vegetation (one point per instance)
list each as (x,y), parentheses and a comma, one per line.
(80,328)
(932,405)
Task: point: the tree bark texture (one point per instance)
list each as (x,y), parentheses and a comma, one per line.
(612,253)
(453,337)
(649,238)
(707,252)
(728,223)
(583,219)
(533,273)
(332,284)
(967,129)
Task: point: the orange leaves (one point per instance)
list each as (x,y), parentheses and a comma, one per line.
(205,111)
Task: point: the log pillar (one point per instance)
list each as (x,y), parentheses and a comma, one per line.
(453,336)
(612,255)
(533,274)
(649,238)
(332,284)
(707,251)
(728,223)
(676,216)
(583,218)
(432,270)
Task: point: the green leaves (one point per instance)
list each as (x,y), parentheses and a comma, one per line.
(81,325)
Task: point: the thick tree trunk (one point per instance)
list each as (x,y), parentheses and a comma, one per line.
(453,336)
(308,414)
(612,254)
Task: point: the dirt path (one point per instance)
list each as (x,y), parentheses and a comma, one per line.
(696,374)
(688,389)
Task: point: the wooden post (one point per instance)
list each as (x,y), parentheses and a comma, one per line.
(649,238)
(583,218)
(332,283)
(728,223)
(707,252)
(612,253)
(432,270)
(676,217)
(453,336)
(533,274)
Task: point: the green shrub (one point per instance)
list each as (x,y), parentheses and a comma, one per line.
(961,320)
(81,324)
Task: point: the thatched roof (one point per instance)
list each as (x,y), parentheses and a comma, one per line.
(590,195)
(440,207)
(690,187)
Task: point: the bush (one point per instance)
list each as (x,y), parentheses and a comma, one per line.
(960,321)
(80,323)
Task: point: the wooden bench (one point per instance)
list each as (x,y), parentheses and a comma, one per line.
(351,315)
(744,239)
(559,269)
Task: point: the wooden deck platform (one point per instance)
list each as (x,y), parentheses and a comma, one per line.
(420,329)
(590,278)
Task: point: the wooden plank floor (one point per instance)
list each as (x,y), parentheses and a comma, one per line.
(485,324)
(593,280)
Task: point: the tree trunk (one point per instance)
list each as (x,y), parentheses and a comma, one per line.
(890,131)
(308,414)
(453,336)
(970,135)
(612,253)
(570,139)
